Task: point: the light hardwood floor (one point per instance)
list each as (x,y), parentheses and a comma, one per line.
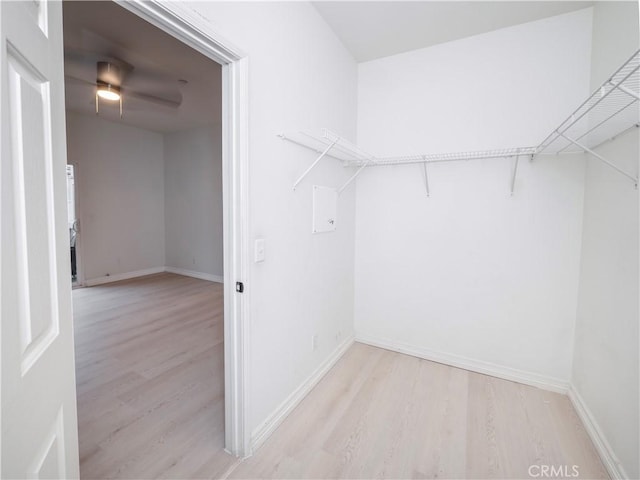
(150,378)
(150,404)
(379,414)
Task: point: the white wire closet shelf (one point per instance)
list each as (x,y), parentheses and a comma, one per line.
(328,144)
(341,149)
(353,156)
(609,111)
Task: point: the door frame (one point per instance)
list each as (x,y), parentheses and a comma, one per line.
(185,25)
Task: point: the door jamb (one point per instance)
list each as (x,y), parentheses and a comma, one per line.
(193,30)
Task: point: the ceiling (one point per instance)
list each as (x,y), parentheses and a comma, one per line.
(103,30)
(371,29)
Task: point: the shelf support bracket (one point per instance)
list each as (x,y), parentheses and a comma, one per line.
(348,182)
(311,167)
(426,178)
(513,174)
(626,90)
(602,159)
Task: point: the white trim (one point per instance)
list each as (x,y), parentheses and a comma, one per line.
(122,276)
(274,420)
(184,23)
(190,27)
(473,365)
(608,457)
(192,273)
(235,192)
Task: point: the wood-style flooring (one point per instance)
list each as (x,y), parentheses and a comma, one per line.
(150,378)
(379,414)
(149,356)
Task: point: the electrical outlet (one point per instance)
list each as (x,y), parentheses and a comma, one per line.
(314,342)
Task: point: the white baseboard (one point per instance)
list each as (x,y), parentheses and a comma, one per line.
(479,366)
(122,276)
(609,459)
(274,420)
(194,274)
(150,271)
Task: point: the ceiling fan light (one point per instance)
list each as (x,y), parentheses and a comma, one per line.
(109,92)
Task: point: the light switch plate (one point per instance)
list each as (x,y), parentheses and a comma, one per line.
(259,250)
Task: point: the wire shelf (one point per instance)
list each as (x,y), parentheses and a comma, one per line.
(449,157)
(341,149)
(353,156)
(610,110)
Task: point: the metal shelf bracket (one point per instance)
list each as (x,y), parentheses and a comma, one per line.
(355,175)
(626,90)
(513,173)
(601,158)
(311,167)
(426,178)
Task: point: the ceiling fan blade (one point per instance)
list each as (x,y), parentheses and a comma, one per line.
(139,79)
(129,62)
(83,64)
(70,79)
(165,102)
(128,94)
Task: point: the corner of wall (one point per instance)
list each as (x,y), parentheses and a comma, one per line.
(266,428)
(607,455)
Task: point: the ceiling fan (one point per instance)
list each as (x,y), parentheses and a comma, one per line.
(108,81)
(114,78)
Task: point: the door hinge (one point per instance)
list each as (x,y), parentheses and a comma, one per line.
(239,287)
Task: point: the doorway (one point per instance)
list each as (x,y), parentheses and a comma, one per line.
(43,434)
(234,203)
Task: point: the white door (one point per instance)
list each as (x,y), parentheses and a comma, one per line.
(39,425)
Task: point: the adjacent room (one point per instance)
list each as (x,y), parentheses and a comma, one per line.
(431,229)
(147,253)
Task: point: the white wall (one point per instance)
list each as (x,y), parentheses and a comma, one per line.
(471,275)
(500,89)
(300,77)
(615,37)
(606,362)
(605,366)
(120,178)
(147,200)
(193,201)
